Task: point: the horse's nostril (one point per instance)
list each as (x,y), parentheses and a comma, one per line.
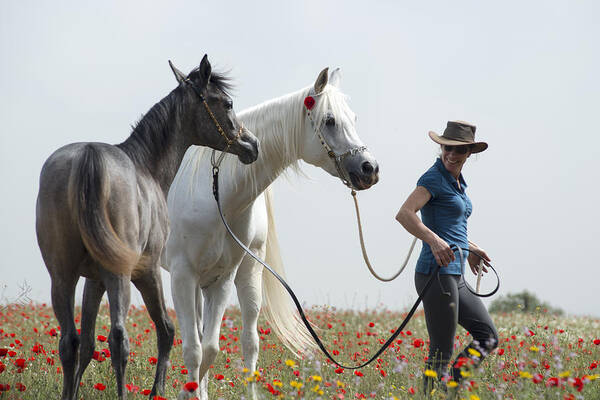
(367,168)
(377,169)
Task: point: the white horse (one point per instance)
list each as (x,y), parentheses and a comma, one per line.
(314,124)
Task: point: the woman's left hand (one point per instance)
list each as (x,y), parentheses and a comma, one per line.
(474,259)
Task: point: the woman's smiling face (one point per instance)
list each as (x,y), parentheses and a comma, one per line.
(454,157)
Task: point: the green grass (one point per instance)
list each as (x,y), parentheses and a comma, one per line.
(560,347)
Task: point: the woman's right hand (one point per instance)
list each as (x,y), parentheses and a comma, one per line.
(441,251)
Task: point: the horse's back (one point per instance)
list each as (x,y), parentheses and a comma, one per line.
(87,192)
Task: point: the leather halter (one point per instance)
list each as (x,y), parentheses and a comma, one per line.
(337,159)
(212,116)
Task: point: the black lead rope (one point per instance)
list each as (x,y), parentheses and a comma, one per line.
(297,302)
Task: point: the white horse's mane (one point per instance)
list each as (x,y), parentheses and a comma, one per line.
(279,125)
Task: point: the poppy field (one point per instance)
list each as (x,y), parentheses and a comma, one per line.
(540,356)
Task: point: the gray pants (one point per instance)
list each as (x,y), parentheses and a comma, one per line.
(445,306)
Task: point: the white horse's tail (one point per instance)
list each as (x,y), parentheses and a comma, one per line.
(278,308)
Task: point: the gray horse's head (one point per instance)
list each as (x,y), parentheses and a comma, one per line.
(212,121)
(330,138)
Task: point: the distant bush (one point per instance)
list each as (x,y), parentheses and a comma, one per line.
(524,301)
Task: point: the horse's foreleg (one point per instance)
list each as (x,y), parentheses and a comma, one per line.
(63,297)
(150,286)
(248,283)
(92,296)
(118,288)
(215,303)
(183,288)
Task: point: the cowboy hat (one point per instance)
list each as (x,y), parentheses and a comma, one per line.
(459,133)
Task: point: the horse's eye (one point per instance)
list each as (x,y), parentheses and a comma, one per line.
(228,104)
(330,121)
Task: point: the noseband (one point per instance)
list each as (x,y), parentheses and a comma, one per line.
(337,159)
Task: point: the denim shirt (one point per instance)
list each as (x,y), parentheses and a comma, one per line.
(445,214)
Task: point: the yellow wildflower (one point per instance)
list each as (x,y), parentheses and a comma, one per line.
(565,374)
(474,397)
(525,374)
(465,374)
(296,384)
(452,384)
(277,382)
(341,384)
(317,378)
(474,352)
(430,373)
(534,348)
(290,363)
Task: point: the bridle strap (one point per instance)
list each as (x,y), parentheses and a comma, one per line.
(214,119)
(337,159)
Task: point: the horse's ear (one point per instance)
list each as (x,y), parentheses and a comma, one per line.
(178,74)
(335,77)
(321,81)
(204,72)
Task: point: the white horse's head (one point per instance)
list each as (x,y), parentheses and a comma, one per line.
(330,138)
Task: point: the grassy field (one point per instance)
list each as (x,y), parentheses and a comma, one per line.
(539,357)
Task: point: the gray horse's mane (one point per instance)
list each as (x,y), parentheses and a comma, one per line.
(150,136)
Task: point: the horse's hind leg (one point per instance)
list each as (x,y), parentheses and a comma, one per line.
(119,295)
(63,298)
(92,296)
(150,286)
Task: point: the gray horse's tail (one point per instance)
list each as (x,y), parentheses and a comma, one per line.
(89,191)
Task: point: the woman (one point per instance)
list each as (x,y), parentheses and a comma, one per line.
(441,198)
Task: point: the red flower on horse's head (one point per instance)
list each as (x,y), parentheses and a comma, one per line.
(309,102)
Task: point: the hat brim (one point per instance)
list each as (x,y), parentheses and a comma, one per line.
(476,147)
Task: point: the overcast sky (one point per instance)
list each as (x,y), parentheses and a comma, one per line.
(526,73)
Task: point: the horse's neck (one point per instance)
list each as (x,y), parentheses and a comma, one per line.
(157,145)
(278,124)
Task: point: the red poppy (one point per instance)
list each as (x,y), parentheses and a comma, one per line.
(418,343)
(411,390)
(339,370)
(500,352)
(20,387)
(3,368)
(3,352)
(146,392)
(20,362)
(131,388)
(102,338)
(99,386)
(309,102)
(371,324)
(4,387)
(537,378)
(219,377)
(190,386)
(552,381)
(596,342)
(152,360)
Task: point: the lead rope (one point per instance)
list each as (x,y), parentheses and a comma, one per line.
(364,250)
(297,302)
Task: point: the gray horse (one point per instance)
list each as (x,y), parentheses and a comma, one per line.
(102,214)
